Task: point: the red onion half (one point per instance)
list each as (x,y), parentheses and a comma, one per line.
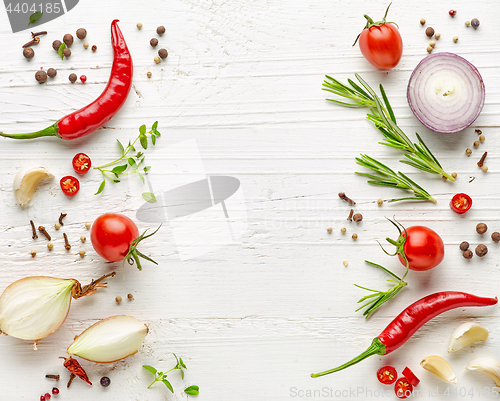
(446,92)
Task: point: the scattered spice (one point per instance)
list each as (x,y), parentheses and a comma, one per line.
(66,53)
(468,151)
(481,228)
(50,246)
(139,25)
(68,39)
(55,390)
(46,396)
(33,35)
(345,262)
(83,78)
(343,230)
(81,33)
(482,138)
(153,42)
(57,226)
(33,254)
(88,225)
(480,163)
(51,72)
(452,13)
(160,30)
(355,236)
(35,235)
(464,246)
(467,24)
(455,39)
(484,168)
(476,144)
(343,196)
(454,175)
(67,246)
(56,44)
(472,179)
(350,215)
(85,45)
(35,41)
(474,23)
(422,21)
(105,382)
(429,32)
(157,60)
(75,368)
(357,217)
(61,217)
(163,53)
(478,131)
(467,254)
(72,77)
(82,238)
(41,76)
(380,202)
(429,50)
(71,377)
(149,74)
(437,35)
(55,377)
(94,48)
(432,43)
(28,53)
(81,253)
(481,250)
(44,232)
(118,299)
(495,236)
(329,230)
(130,297)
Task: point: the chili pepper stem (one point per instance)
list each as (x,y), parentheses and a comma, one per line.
(49,131)
(376,348)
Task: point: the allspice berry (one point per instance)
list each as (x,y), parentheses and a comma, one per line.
(51,72)
(422,21)
(28,53)
(464,246)
(160,30)
(118,299)
(153,42)
(357,217)
(468,151)
(72,78)
(495,236)
(481,228)
(68,39)
(429,32)
(56,44)
(163,53)
(355,236)
(467,254)
(41,76)
(481,250)
(81,33)
(66,53)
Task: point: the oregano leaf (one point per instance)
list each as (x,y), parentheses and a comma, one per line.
(141,177)
(144,141)
(153,139)
(150,369)
(192,390)
(60,50)
(35,17)
(155,125)
(119,169)
(167,383)
(142,129)
(149,197)
(101,187)
(121,146)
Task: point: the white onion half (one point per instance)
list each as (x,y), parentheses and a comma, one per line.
(446,92)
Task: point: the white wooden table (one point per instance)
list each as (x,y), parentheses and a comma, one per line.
(254,318)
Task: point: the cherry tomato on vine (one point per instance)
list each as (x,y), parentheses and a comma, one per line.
(81,163)
(403,388)
(423,248)
(70,185)
(380,43)
(387,375)
(460,203)
(414,380)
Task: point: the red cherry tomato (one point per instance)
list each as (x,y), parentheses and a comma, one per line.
(460,203)
(403,388)
(423,248)
(414,380)
(112,234)
(387,375)
(382,46)
(70,185)
(81,163)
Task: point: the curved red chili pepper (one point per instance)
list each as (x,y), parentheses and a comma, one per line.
(411,319)
(93,116)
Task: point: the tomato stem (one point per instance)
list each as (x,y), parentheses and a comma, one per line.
(370,23)
(133,254)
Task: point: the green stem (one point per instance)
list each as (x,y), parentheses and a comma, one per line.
(376,348)
(129,147)
(49,131)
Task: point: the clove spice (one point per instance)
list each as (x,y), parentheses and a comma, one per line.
(66,242)
(55,377)
(35,41)
(61,217)
(44,232)
(343,196)
(71,377)
(33,35)
(480,163)
(35,235)
(350,215)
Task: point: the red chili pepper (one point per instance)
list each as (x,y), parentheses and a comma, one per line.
(93,116)
(403,388)
(460,203)
(387,375)
(414,380)
(81,163)
(74,367)
(70,185)
(411,319)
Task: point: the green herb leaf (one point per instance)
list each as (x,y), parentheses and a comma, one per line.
(149,197)
(167,383)
(142,179)
(101,187)
(150,369)
(142,129)
(60,50)
(153,139)
(119,169)
(192,390)
(131,161)
(155,126)
(144,141)
(182,363)
(147,168)
(35,17)
(122,149)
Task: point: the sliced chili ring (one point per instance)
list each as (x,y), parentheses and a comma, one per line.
(403,388)
(387,375)
(414,380)
(70,185)
(81,163)
(460,203)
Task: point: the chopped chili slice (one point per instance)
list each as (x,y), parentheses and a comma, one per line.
(75,368)
(414,380)
(387,375)
(403,388)
(70,185)
(81,163)
(460,203)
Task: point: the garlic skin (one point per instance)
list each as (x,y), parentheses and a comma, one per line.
(26,181)
(465,334)
(440,367)
(487,365)
(110,339)
(34,307)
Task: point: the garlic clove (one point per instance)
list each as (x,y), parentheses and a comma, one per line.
(110,339)
(465,334)
(440,367)
(487,365)
(35,307)
(26,181)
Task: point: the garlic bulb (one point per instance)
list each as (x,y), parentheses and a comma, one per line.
(465,334)
(440,367)
(487,365)
(26,181)
(110,339)
(32,308)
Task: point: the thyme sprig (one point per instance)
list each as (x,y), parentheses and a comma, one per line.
(382,115)
(162,376)
(133,162)
(387,177)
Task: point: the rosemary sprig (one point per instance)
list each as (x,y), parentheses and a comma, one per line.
(382,115)
(389,178)
(378,298)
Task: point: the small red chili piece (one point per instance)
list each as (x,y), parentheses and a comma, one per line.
(403,388)
(460,203)
(83,78)
(414,380)
(387,375)
(81,163)
(70,185)
(74,367)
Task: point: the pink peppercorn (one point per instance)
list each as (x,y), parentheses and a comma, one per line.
(47,396)
(55,390)
(83,78)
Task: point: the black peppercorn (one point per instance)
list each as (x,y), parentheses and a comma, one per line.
(56,44)
(429,32)
(357,217)
(467,254)
(105,382)
(481,250)
(160,30)
(475,23)
(163,53)
(51,72)
(495,236)
(464,246)
(481,228)
(28,52)
(41,76)
(72,78)
(153,42)
(66,52)
(81,33)
(68,39)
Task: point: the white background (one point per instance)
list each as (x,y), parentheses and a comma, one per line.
(243,78)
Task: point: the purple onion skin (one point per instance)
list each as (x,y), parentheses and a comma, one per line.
(469,70)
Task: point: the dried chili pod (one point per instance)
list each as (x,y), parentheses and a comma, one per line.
(74,367)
